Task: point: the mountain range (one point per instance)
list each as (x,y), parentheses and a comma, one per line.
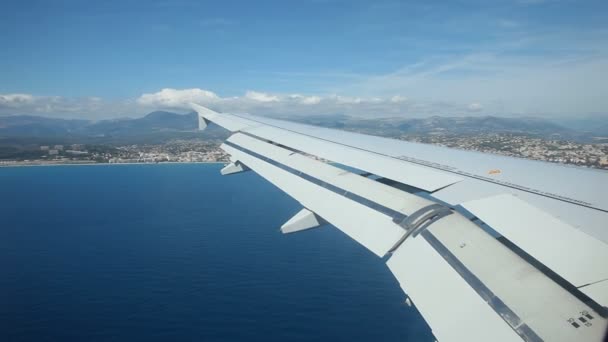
(159,126)
(582,130)
(156,127)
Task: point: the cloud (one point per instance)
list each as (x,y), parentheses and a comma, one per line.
(563,83)
(345,99)
(398,99)
(260,97)
(474,107)
(254,102)
(306,100)
(494,82)
(15,100)
(73,108)
(521,70)
(177,98)
(278,104)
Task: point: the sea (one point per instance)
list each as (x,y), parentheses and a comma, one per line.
(176,252)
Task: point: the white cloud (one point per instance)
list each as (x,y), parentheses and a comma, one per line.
(532,76)
(477,84)
(311,100)
(558,85)
(70,108)
(345,99)
(474,107)
(261,97)
(253,102)
(398,98)
(307,100)
(177,98)
(15,100)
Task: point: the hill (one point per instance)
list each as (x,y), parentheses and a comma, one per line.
(453,126)
(153,128)
(160,126)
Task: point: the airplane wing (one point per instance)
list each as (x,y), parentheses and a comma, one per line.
(488,248)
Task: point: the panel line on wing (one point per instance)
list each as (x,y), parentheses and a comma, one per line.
(544,269)
(521,328)
(395,215)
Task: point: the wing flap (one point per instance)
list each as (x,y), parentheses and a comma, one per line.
(597,291)
(398,170)
(407,173)
(387,196)
(574,255)
(370,228)
(470,269)
(423,274)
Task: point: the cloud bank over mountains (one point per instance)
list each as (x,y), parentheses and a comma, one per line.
(536,75)
(255,102)
(542,58)
(474,85)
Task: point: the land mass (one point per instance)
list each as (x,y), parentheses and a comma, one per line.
(171,137)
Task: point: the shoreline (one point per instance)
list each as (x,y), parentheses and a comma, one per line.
(102,164)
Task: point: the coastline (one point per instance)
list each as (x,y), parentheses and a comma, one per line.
(103,164)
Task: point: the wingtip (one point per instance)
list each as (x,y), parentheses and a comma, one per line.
(203,113)
(200,109)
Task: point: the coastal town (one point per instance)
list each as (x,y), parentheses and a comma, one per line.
(522,146)
(175,151)
(208,151)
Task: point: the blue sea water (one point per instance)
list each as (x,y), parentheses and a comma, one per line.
(179,253)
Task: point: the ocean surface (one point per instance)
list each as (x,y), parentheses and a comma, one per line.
(179,253)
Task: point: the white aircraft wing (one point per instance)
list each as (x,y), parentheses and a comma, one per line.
(488,248)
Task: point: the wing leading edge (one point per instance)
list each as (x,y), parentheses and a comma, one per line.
(466,283)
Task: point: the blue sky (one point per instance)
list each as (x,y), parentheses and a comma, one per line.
(369,58)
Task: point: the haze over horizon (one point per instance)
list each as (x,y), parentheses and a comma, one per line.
(114,59)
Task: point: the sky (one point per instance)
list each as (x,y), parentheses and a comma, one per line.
(112,59)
